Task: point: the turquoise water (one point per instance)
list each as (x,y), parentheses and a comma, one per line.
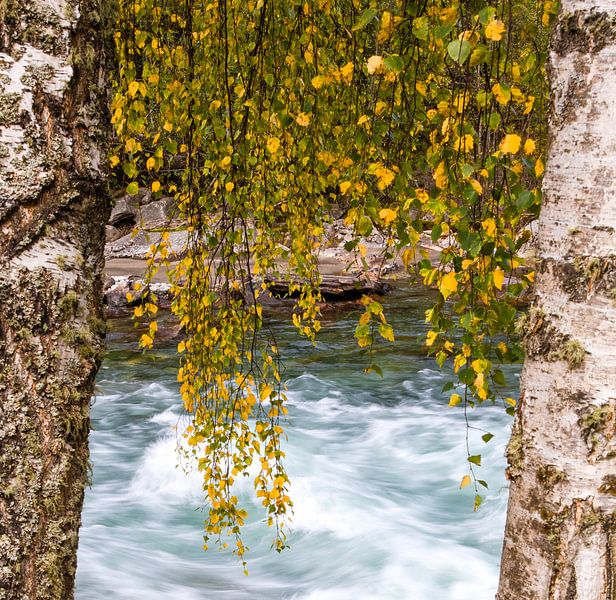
(374,464)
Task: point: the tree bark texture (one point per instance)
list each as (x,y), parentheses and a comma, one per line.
(53,210)
(560,538)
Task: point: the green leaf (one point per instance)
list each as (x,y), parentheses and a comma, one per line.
(475,459)
(130,169)
(495,121)
(499,377)
(525,200)
(487,437)
(448,386)
(386,332)
(467,170)
(365,226)
(487,14)
(364,19)
(376,369)
(477,56)
(362,331)
(483,483)
(421,28)
(459,50)
(437,230)
(132,189)
(478,502)
(394,63)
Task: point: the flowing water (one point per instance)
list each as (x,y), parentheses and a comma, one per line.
(374,465)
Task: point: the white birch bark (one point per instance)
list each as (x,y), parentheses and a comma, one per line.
(53,208)
(560,538)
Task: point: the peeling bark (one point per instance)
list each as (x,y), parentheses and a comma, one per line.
(53,210)
(560,537)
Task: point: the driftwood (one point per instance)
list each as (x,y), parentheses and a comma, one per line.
(332,288)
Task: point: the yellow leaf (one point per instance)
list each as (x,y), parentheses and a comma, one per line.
(114,161)
(458,361)
(466,480)
(464,143)
(385,177)
(347,73)
(273,143)
(431,337)
(420,86)
(455,399)
(440,176)
(510,401)
(375,65)
(388,215)
(448,346)
(489,226)
(225,162)
(146,341)
(528,105)
(344,186)
(229,186)
(495,30)
(303,119)
(133,88)
(448,284)
(511,143)
(529,146)
(380,106)
(501,94)
(479,380)
(363,119)
(476,186)
(317,82)
(150,163)
(539,168)
(155,186)
(422,195)
(479,365)
(266,392)
(502,347)
(499,278)
(448,15)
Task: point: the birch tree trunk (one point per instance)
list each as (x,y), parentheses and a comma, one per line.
(560,538)
(53,207)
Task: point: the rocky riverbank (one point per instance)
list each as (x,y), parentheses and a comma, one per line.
(137,221)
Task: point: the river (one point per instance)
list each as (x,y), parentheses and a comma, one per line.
(374,465)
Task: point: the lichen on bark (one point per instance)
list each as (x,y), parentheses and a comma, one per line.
(559,538)
(53,203)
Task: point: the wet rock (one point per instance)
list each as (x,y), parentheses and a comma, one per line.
(125,209)
(113,233)
(116,289)
(158,212)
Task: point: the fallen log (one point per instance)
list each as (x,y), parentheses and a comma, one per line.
(333,288)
